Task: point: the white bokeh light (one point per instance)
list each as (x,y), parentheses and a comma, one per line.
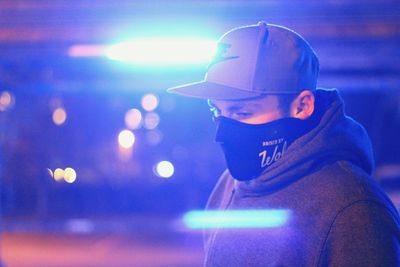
(126,139)
(59,116)
(69,175)
(6,100)
(149,102)
(133,119)
(58,174)
(164,169)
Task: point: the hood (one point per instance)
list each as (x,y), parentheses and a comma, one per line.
(336,137)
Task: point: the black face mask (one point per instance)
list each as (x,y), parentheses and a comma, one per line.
(251,148)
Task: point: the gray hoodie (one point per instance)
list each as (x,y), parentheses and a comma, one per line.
(338,215)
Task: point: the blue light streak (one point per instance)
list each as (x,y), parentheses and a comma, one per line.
(267,218)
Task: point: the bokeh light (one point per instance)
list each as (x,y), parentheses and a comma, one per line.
(150,102)
(80,226)
(58,174)
(164,169)
(151,120)
(69,175)
(126,139)
(154,137)
(50,172)
(6,100)
(59,116)
(133,119)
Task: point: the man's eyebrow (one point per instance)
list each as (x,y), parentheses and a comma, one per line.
(231,107)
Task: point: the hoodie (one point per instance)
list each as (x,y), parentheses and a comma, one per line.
(335,213)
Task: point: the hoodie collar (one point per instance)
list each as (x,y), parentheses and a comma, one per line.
(336,137)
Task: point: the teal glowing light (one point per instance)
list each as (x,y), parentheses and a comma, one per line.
(163,52)
(236,219)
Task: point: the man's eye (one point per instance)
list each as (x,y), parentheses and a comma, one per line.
(242,114)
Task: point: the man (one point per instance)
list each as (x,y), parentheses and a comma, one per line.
(290,148)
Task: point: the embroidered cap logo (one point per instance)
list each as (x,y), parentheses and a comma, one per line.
(222,49)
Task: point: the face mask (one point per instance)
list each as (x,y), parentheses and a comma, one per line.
(251,148)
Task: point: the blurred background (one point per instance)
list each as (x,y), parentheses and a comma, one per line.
(98,164)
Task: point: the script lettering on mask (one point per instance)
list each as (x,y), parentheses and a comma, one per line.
(268,158)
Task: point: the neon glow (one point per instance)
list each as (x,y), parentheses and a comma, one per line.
(236,219)
(163,51)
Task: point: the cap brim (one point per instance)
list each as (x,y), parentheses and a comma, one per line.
(209,90)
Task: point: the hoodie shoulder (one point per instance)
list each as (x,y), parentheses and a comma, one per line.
(344,183)
(362,234)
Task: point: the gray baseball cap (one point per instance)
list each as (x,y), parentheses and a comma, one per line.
(256,60)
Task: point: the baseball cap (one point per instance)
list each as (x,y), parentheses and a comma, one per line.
(255,60)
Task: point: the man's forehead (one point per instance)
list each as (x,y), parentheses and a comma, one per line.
(248,102)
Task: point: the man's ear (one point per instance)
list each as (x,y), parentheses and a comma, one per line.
(303,106)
